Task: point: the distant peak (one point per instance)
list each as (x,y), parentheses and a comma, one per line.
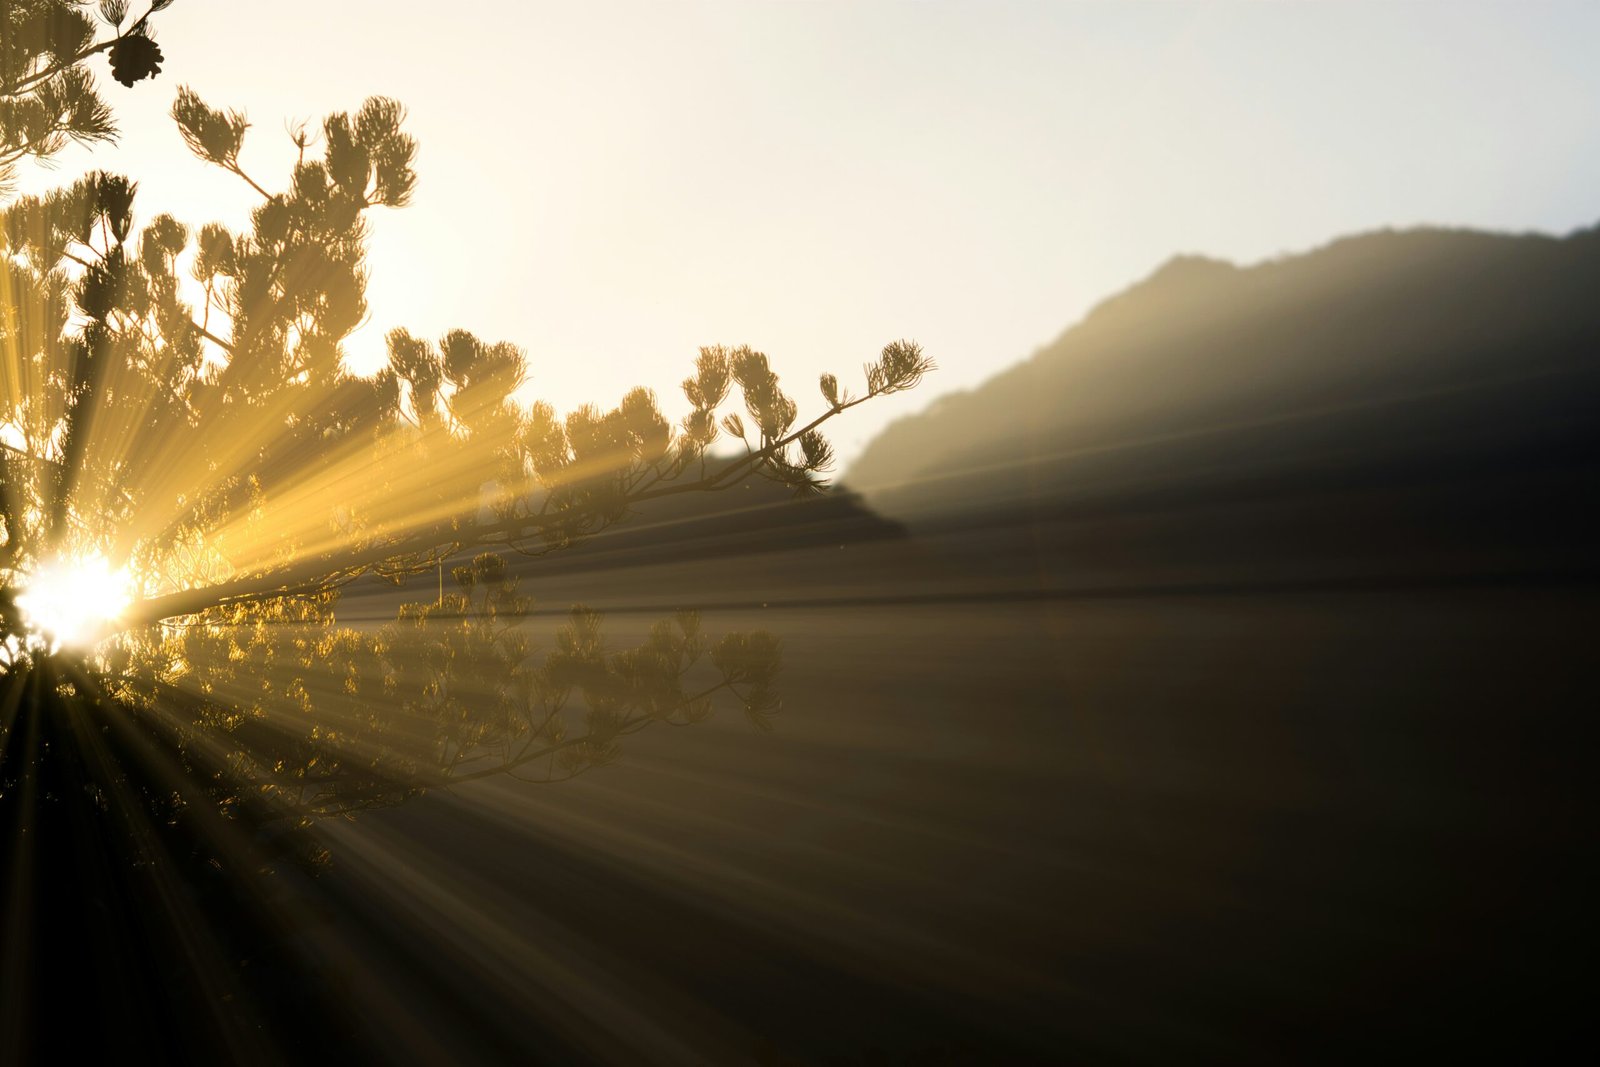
(1187,265)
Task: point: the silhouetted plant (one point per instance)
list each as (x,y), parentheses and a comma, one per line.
(47,92)
(178,420)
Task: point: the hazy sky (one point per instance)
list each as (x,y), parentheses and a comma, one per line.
(612,185)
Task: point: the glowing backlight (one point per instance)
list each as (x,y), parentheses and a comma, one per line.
(74,602)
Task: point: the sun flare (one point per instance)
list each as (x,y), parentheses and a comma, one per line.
(72,601)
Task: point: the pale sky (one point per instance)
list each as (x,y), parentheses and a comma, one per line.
(612,185)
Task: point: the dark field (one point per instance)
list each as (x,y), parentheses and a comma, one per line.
(1311,818)
(1032,797)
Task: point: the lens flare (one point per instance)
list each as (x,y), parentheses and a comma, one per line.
(73,601)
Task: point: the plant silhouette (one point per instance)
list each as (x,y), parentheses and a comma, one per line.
(179,424)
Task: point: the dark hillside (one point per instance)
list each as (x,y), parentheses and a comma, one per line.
(1387,402)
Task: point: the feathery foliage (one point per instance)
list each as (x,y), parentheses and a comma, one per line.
(178,417)
(48,97)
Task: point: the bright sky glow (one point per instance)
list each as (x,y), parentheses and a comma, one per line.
(71,602)
(611,185)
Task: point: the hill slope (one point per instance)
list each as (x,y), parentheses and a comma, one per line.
(1447,370)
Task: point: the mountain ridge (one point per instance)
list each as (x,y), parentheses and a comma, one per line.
(1389,290)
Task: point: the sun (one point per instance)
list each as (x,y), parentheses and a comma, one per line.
(71,601)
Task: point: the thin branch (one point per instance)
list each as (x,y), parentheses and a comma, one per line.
(236,169)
